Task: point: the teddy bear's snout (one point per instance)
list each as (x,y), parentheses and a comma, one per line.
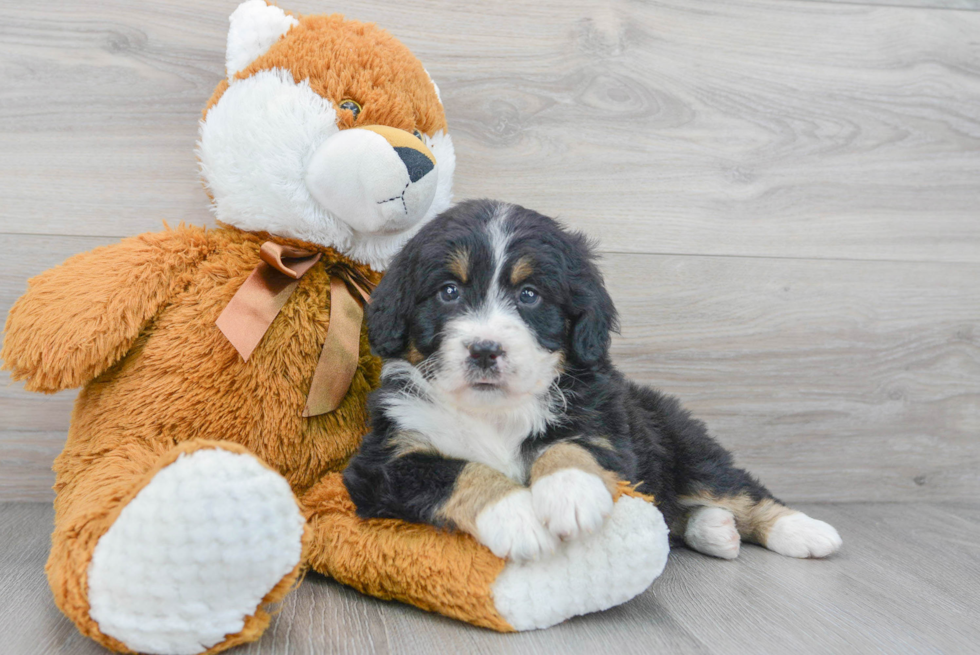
(376,179)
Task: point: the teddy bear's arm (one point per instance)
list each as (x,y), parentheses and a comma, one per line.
(79,318)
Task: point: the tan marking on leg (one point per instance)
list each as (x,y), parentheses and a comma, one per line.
(476,487)
(566,455)
(406,442)
(521,270)
(754,519)
(459,264)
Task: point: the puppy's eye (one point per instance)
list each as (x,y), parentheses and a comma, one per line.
(418,135)
(529,296)
(350,106)
(449,293)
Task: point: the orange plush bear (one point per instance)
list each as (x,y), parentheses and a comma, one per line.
(225,371)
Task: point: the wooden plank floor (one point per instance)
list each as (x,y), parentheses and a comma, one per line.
(905,582)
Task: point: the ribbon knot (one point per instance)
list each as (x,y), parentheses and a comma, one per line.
(259,300)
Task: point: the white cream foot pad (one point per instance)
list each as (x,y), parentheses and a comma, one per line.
(194,553)
(588,574)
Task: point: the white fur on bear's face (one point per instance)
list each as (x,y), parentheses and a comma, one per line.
(255,147)
(358,176)
(254,27)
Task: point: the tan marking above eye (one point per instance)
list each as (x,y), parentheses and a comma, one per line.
(459,264)
(521,270)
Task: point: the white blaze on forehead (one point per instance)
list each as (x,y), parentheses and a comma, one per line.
(499,236)
(255,26)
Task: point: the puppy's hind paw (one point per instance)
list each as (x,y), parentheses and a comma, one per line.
(798,535)
(571,502)
(510,529)
(711,530)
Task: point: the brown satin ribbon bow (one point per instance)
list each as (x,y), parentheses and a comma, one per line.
(257,303)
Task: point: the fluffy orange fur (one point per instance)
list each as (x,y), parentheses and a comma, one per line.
(379,73)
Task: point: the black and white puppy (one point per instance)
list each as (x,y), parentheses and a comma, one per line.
(500,413)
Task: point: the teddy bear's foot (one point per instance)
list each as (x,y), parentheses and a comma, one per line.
(587,574)
(190,560)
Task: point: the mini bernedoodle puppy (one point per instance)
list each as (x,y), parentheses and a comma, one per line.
(500,413)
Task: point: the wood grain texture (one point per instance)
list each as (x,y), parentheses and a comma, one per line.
(960,5)
(744,127)
(832,380)
(905,582)
(786,192)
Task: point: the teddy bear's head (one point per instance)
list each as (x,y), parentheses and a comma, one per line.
(326,130)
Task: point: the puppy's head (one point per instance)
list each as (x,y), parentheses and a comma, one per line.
(492,302)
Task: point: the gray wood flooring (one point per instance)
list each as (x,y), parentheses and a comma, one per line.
(905,582)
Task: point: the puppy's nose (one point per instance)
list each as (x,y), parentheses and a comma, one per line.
(415,162)
(485,353)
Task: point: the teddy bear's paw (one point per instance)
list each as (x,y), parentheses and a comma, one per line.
(571,502)
(798,535)
(589,574)
(711,530)
(510,529)
(194,553)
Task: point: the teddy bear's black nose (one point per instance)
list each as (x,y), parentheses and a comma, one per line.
(416,163)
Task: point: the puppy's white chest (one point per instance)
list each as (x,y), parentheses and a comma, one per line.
(498,447)
(459,435)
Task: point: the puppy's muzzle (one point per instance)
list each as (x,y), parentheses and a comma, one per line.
(484,354)
(377,179)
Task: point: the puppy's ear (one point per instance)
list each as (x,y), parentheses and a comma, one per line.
(391,305)
(595,312)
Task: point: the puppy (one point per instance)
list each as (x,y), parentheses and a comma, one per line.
(500,413)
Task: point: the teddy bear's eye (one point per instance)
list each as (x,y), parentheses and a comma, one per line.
(351,106)
(418,135)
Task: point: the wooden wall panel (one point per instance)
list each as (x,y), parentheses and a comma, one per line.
(787,194)
(831,380)
(805,129)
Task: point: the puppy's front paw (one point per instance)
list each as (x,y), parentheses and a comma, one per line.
(571,501)
(798,535)
(510,529)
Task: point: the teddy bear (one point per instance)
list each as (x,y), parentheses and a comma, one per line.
(225,371)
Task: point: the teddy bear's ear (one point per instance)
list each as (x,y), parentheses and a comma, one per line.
(255,26)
